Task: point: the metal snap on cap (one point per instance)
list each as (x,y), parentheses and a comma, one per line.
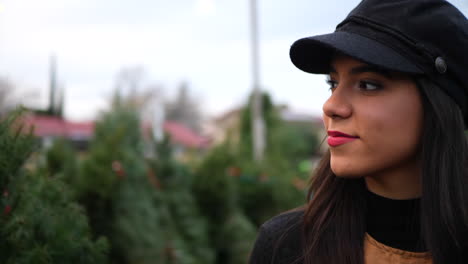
(440,65)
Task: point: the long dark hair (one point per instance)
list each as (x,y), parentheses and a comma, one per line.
(334,220)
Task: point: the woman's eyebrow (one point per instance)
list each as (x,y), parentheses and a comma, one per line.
(369,68)
(366,68)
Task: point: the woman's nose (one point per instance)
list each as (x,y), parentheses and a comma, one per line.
(338,104)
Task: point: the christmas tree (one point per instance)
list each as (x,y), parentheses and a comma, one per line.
(142,203)
(238,194)
(189,229)
(114,187)
(40,222)
(215,188)
(269,187)
(60,161)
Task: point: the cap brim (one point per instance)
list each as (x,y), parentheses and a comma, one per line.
(314,54)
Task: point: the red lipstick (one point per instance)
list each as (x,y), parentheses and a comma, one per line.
(336,138)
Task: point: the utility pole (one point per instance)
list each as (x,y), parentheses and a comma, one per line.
(52,85)
(258,124)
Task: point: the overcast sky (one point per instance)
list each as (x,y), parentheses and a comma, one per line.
(203,42)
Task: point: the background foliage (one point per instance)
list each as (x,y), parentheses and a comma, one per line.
(127,200)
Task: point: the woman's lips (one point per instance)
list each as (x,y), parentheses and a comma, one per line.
(336,138)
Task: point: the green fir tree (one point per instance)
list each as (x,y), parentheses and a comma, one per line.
(237,194)
(114,187)
(215,187)
(40,222)
(189,229)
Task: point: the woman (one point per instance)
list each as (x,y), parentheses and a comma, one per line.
(393,187)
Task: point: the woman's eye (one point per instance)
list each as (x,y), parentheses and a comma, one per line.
(332,84)
(369,86)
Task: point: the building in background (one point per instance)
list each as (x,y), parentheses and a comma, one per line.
(48,128)
(226,125)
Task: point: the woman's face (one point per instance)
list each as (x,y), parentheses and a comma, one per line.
(373,118)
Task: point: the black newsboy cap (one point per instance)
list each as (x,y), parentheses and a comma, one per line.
(427,37)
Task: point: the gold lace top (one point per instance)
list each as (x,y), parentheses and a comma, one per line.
(376,252)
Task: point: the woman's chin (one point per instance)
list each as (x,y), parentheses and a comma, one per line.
(346,173)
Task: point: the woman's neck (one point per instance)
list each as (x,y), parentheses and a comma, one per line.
(400,184)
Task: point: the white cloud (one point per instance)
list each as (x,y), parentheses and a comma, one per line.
(205,7)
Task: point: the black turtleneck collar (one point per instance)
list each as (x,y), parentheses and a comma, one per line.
(394,223)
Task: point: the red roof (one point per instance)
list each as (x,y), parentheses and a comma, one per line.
(45,126)
(53,126)
(184,135)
